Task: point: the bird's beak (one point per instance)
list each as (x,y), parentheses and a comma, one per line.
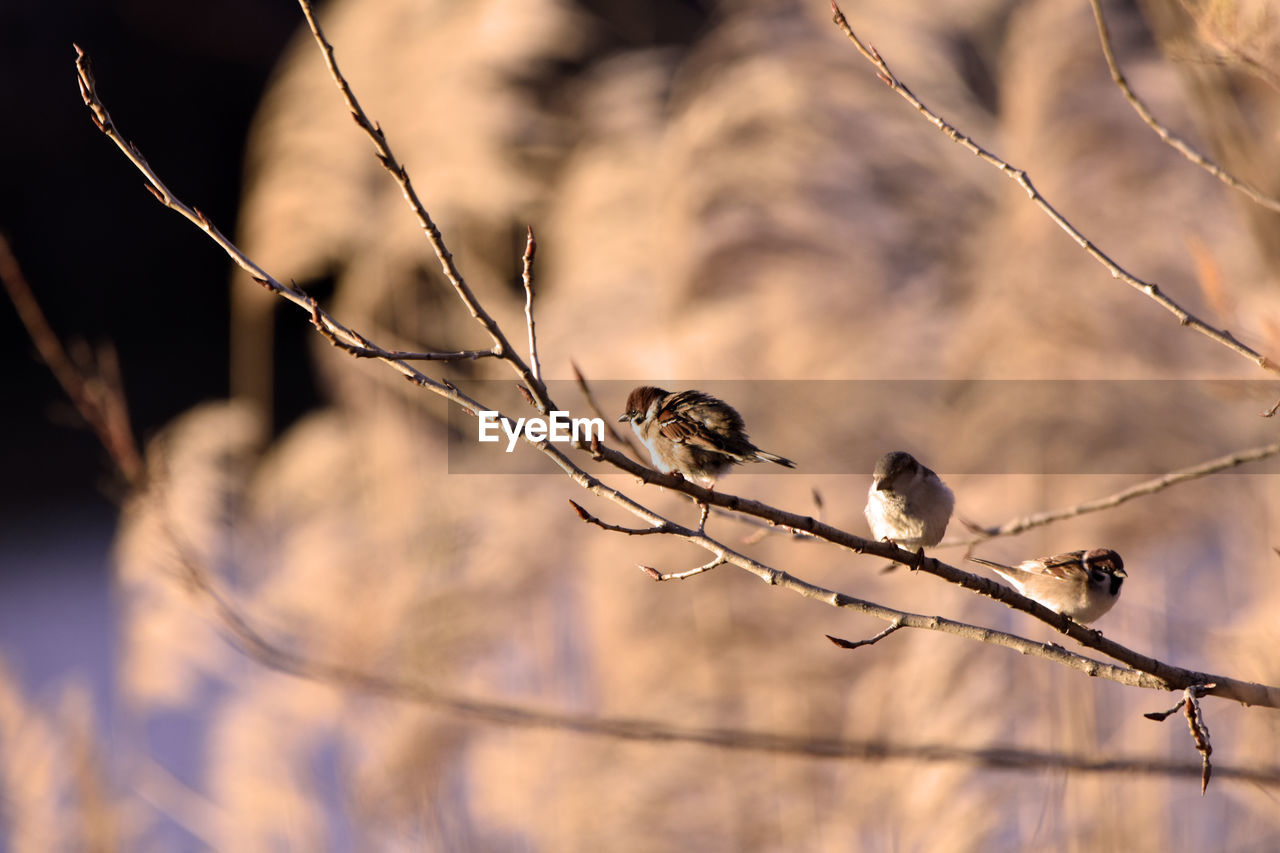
(1120,573)
(622,420)
(879,485)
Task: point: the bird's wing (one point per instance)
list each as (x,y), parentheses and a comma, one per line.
(1063,566)
(676,424)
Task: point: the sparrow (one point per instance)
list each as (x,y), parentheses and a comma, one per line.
(691,433)
(907,503)
(1081,585)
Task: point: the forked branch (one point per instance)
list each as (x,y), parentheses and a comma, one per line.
(1149,487)
(1170,138)
(1020,177)
(501,346)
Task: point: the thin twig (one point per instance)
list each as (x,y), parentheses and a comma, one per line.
(687,573)
(1199,734)
(501,346)
(1190,707)
(621,437)
(615,528)
(851,644)
(99,398)
(406,355)
(368,349)
(530,248)
(645,531)
(1158,484)
(1020,177)
(1172,140)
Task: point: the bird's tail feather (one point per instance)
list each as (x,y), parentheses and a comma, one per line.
(773,457)
(996,566)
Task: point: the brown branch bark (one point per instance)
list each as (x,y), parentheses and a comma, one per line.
(1149,487)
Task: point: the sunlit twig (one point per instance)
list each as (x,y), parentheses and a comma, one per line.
(1022,179)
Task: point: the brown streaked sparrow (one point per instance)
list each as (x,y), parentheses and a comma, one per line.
(907,503)
(1081,585)
(691,433)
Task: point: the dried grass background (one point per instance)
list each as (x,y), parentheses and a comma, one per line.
(753,204)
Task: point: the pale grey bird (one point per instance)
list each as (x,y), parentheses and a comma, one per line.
(907,503)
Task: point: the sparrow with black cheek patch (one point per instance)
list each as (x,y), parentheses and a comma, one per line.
(691,433)
(907,503)
(1081,585)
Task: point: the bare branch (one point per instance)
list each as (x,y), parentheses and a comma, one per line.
(665,528)
(622,437)
(850,644)
(501,346)
(776,577)
(1140,670)
(679,576)
(1020,177)
(1172,140)
(1158,484)
(530,247)
(1190,707)
(614,528)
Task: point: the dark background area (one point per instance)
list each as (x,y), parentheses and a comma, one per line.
(105,261)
